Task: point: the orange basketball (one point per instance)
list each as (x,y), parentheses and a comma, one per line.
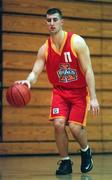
(18,95)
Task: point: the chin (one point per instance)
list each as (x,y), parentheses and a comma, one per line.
(54,32)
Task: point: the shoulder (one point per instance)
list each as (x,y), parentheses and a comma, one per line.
(43,51)
(78,40)
(42,48)
(79,43)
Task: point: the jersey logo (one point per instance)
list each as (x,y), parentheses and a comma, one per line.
(67,74)
(55,110)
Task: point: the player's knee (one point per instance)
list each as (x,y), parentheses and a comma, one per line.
(59,124)
(75,129)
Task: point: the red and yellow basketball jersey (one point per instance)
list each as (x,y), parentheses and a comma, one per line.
(63,67)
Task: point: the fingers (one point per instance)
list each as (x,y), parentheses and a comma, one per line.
(95,107)
(95,110)
(24,82)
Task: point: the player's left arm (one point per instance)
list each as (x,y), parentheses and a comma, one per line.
(83,54)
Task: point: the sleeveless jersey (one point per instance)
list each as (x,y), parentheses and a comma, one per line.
(63,68)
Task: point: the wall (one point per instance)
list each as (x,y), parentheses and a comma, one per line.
(27,130)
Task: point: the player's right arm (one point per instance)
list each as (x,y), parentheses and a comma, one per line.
(37,68)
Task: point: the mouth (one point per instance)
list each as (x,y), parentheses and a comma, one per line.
(52,28)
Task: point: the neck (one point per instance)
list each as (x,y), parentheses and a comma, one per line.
(58,37)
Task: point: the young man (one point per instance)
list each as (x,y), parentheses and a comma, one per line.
(68,65)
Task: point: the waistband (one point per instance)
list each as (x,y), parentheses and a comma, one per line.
(67,88)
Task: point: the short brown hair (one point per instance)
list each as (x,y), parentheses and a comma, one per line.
(53,11)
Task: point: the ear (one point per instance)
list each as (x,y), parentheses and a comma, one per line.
(62,21)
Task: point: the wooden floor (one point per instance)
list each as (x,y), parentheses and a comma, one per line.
(43,168)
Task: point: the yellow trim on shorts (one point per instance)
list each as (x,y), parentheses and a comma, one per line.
(75,122)
(87,109)
(52,118)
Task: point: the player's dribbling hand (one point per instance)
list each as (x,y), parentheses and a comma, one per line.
(24,82)
(94,105)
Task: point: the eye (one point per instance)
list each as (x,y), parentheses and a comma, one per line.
(55,19)
(48,20)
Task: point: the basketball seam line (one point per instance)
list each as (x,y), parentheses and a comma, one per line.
(20,95)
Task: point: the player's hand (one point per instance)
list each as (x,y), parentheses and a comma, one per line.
(94,106)
(24,82)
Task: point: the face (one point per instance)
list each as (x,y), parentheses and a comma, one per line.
(54,23)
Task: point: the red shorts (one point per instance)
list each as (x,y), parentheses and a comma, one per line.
(70,104)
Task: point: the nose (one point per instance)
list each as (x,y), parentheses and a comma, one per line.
(52,22)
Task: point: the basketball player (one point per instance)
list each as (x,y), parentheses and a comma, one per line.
(68,65)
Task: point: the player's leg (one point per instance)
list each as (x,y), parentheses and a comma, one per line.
(77,125)
(59,114)
(80,135)
(61,137)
